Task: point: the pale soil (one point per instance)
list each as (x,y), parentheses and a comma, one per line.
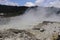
(43,31)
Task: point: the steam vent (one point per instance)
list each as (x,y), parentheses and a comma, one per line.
(16,23)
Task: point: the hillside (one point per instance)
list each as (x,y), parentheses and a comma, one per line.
(12,10)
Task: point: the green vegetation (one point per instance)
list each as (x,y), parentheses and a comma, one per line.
(10,11)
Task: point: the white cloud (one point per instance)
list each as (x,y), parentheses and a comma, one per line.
(55,3)
(46,3)
(37,2)
(29,4)
(7,2)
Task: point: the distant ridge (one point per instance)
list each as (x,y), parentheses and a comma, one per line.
(9,11)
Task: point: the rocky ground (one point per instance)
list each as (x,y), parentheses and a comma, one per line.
(43,31)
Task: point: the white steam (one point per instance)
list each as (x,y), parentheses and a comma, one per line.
(31,17)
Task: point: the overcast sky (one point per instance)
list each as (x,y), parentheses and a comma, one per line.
(55,3)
